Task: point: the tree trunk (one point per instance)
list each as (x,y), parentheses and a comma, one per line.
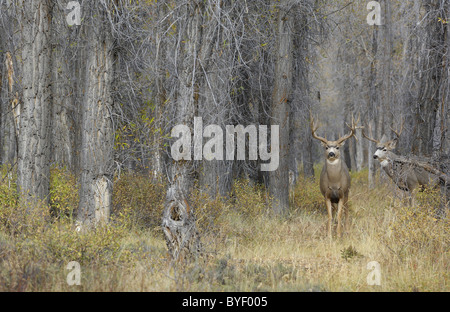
(33,172)
(62,92)
(279,179)
(183,235)
(371,151)
(373,102)
(96,159)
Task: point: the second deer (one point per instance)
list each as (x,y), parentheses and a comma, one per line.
(406,177)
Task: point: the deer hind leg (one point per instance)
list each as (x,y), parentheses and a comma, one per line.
(330,217)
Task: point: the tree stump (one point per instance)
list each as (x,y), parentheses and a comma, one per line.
(178,223)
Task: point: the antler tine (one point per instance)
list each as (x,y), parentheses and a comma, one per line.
(352,131)
(314,129)
(370,139)
(364,134)
(399,132)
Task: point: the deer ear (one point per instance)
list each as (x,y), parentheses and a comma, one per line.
(392,144)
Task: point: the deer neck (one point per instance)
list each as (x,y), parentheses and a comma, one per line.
(386,163)
(387,167)
(334,170)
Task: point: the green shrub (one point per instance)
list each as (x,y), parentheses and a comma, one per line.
(60,242)
(208,211)
(142,198)
(415,229)
(64,197)
(36,237)
(306,195)
(8,199)
(249,200)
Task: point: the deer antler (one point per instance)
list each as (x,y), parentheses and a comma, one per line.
(370,131)
(399,132)
(353,128)
(314,129)
(370,139)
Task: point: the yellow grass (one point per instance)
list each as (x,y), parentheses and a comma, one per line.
(251,251)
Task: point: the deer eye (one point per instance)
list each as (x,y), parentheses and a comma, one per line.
(326,147)
(384,150)
(337,148)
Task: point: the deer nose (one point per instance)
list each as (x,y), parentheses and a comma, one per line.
(375,156)
(331,154)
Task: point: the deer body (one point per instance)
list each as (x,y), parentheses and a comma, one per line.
(335,185)
(406,177)
(335,179)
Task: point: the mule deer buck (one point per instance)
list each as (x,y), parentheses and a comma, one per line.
(405,176)
(335,178)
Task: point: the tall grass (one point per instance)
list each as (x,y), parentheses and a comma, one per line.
(246,247)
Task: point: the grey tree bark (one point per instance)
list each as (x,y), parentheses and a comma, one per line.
(279,179)
(373,102)
(62,93)
(97,139)
(34,122)
(178,219)
(10,92)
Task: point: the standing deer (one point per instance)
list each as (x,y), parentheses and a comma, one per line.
(334,179)
(405,176)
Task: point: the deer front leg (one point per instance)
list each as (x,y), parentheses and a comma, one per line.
(330,216)
(339,218)
(346,213)
(346,225)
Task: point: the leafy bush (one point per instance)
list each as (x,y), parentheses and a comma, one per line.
(360,178)
(8,199)
(64,197)
(35,238)
(415,229)
(60,242)
(306,195)
(249,200)
(208,211)
(142,198)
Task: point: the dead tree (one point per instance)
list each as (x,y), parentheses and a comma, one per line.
(179,226)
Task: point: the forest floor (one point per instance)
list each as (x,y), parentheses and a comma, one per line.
(245,247)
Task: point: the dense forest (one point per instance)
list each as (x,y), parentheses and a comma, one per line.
(198,104)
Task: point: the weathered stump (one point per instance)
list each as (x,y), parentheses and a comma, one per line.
(178,223)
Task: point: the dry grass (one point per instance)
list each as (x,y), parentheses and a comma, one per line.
(246,249)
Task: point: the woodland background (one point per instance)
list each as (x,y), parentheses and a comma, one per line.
(86,113)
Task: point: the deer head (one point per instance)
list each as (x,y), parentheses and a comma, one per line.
(385,146)
(332,148)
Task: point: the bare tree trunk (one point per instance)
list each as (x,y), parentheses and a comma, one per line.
(279,179)
(62,101)
(431,53)
(359,150)
(301,141)
(34,122)
(373,102)
(161,96)
(371,151)
(9,94)
(9,103)
(178,220)
(96,127)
